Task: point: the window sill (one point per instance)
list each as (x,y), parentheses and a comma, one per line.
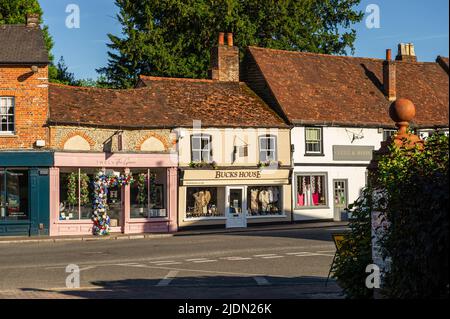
(312,154)
(8,135)
(203,218)
(148,220)
(266,216)
(312,207)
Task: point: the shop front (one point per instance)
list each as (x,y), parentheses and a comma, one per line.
(24,193)
(234,197)
(148,204)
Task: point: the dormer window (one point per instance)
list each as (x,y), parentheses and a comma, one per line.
(6,115)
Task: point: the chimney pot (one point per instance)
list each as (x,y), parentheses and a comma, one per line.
(33,19)
(221,38)
(388,54)
(230,39)
(406,52)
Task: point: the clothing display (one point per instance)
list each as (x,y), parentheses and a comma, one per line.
(254,203)
(202,199)
(264,200)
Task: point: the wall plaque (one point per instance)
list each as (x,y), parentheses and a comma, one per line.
(352,153)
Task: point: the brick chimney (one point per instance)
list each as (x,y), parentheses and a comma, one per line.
(389,77)
(33,19)
(406,52)
(224,65)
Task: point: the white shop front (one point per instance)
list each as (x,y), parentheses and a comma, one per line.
(234,197)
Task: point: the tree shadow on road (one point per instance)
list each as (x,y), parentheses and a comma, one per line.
(203,287)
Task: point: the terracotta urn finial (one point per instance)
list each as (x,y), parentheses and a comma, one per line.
(402,111)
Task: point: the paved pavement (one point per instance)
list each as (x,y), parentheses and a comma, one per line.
(261,264)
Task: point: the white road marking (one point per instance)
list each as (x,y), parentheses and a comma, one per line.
(261,281)
(161,261)
(168,278)
(298,253)
(87,268)
(271,257)
(172,263)
(326,251)
(195,259)
(264,255)
(204,261)
(236,258)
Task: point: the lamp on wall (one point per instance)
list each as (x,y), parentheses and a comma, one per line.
(34,68)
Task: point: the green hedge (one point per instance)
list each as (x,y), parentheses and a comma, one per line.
(417,241)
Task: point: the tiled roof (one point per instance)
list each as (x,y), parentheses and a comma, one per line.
(22,44)
(324,89)
(164,102)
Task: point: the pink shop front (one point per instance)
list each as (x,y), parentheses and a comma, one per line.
(148,205)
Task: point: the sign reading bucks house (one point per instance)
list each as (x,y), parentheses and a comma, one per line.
(238,174)
(235,177)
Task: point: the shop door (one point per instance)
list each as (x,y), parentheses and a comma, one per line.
(14,203)
(340,198)
(236,208)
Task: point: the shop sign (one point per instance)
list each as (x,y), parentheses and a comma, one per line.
(115,163)
(352,153)
(238,174)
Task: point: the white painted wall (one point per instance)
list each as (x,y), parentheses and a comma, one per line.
(355,174)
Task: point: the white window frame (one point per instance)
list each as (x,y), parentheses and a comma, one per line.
(268,150)
(318,142)
(201,150)
(3,99)
(324,185)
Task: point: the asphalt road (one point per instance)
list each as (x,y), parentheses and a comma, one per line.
(256,264)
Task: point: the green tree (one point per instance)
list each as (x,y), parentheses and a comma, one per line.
(15,11)
(174,37)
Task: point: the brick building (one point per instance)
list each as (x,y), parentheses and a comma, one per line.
(24,161)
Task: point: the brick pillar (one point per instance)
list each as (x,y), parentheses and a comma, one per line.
(172,198)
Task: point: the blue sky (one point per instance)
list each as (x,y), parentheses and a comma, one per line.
(425,23)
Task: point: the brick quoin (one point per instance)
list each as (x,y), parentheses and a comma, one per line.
(30,91)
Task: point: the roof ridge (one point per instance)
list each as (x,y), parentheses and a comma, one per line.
(316,54)
(93,88)
(162,78)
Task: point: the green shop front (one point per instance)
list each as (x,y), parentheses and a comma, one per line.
(24,193)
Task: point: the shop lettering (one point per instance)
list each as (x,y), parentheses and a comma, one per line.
(249,174)
(119,162)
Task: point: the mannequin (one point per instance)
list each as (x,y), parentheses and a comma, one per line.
(202,200)
(264,199)
(308,196)
(254,207)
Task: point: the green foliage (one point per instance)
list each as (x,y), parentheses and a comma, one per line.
(174,37)
(72,188)
(15,11)
(351,261)
(417,240)
(84,190)
(142,194)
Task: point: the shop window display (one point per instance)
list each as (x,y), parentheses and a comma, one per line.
(310,191)
(76,193)
(147,194)
(264,200)
(203,202)
(13,195)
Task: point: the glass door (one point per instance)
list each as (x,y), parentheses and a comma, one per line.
(14,195)
(340,198)
(236,207)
